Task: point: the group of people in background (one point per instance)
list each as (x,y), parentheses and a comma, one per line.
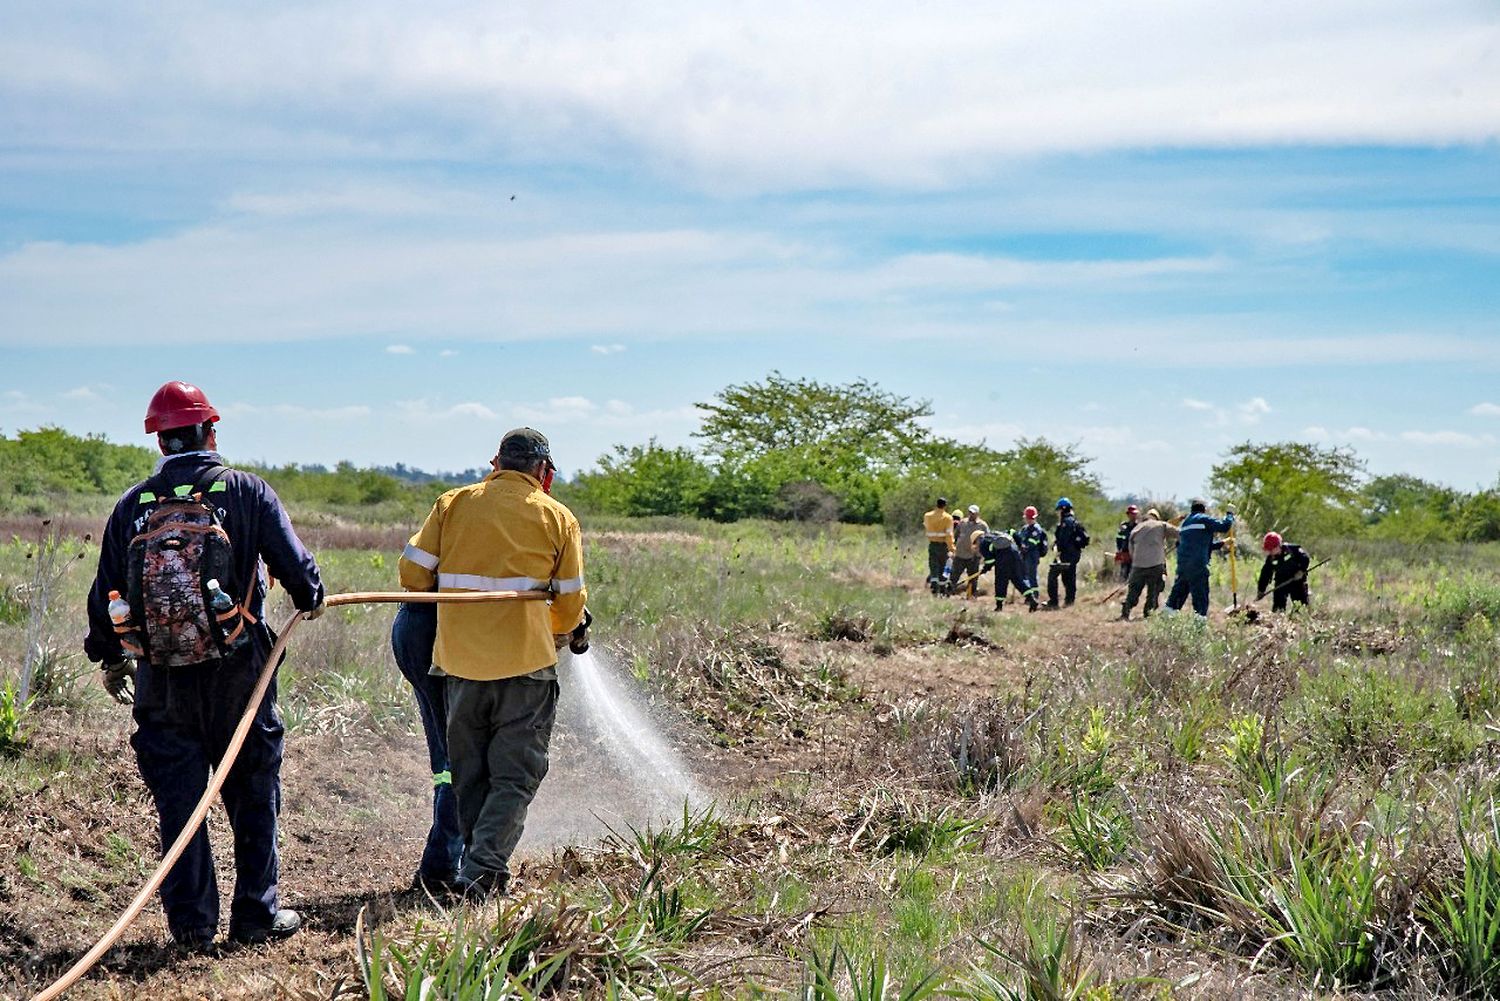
(961,549)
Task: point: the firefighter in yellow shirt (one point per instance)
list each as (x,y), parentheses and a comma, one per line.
(505,533)
(939,525)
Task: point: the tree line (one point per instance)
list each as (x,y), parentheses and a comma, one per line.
(799,449)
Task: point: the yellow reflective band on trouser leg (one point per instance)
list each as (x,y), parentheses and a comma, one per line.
(442,778)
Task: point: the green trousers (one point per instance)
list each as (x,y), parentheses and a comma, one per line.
(498,733)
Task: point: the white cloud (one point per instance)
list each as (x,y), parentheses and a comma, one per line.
(447,353)
(297,280)
(1441,438)
(82,394)
(1485,410)
(916,94)
(607,349)
(1245,414)
(1253,409)
(425,411)
(1451,439)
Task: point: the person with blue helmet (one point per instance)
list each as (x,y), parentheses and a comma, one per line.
(1070,539)
(1195,544)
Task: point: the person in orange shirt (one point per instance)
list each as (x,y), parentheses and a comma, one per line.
(505,533)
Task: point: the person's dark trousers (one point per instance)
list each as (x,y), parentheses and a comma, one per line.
(1292,592)
(1151,579)
(1193,582)
(1006,578)
(412,636)
(967,570)
(937,558)
(1030,564)
(498,733)
(184,719)
(1125,571)
(1068,574)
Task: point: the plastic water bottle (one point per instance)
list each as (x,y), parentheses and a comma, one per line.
(222,604)
(119,614)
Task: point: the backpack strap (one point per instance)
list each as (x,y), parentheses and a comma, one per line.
(210,476)
(159,487)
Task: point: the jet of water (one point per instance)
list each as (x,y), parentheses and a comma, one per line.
(611,766)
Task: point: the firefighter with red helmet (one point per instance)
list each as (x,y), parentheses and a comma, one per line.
(1031,539)
(160,603)
(1284,573)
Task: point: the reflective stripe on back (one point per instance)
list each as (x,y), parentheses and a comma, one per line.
(478,582)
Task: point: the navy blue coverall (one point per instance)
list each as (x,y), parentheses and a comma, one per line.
(1195,544)
(412,636)
(186,715)
(1071,538)
(1032,539)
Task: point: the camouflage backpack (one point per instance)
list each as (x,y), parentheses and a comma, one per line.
(169,565)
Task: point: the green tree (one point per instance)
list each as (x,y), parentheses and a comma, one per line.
(1033,471)
(853,439)
(1479,516)
(646,480)
(1292,486)
(1410,509)
(50,460)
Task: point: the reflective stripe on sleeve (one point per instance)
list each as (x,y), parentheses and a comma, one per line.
(442,778)
(570,586)
(420,557)
(477,582)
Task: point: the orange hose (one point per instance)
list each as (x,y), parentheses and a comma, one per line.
(221,771)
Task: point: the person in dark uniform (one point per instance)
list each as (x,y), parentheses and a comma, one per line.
(412,636)
(1071,537)
(999,551)
(186,714)
(1032,540)
(1285,570)
(1122,540)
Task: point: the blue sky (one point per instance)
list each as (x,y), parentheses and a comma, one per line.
(1153,230)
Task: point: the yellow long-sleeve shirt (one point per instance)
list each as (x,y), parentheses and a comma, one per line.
(502,534)
(939,525)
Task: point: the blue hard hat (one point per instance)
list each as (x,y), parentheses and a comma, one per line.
(1063,502)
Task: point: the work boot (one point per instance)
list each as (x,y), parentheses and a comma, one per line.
(1032,604)
(283,925)
(442,888)
(999,604)
(481,887)
(198,942)
(1124,615)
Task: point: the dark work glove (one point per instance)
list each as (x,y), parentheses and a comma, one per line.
(116,679)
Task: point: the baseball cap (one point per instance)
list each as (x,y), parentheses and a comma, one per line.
(525,443)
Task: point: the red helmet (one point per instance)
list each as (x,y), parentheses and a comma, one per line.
(1271,542)
(1030,511)
(178,405)
(1132,509)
